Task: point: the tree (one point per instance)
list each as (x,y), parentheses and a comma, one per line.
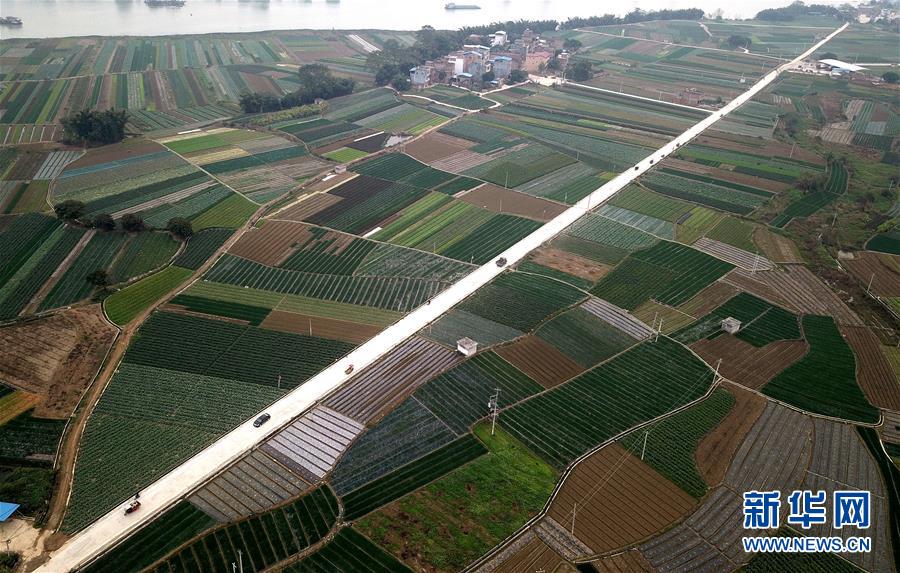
(890,77)
(69,210)
(828,56)
(258,103)
(572,45)
(132,222)
(401,84)
(316,82)
(95,127)
(517,76)
(737,41)
(581,71)
(98,278)
(180,227)
(104,222)
(488,77)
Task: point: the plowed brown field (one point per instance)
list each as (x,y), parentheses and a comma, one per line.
(775,247)
(882,270)
(533,556)
(436,146)
(311,205)
(627,562)
(746,364)
(620,500)
(540,360)
(873,371)
(717,449)
(500,200)
(320,327)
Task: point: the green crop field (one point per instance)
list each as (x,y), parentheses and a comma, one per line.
(231,213)
(148,421)
(235,351)
(491,238)
(521,301)
(122,306)
(761,322)
(26,437)
(143,253)
(634,387)
(165,533)
(459,397)
(672,442)
(583,337)
(666,272)
(348,552)
(410,477)
(73,286)
(612,233)
(462,515)
(201,246)
(735,232)
(263,539)
(803,385)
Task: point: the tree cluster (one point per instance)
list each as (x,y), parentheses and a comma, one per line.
(73,211)
(795,10)
(580,71)
(316,82)
(636,15)
(737,41)
(95,127)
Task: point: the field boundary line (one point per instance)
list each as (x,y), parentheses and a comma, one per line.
(589,31)
(634,96)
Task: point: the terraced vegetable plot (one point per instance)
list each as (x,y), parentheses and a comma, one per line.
(803,385)
(667,272)
(584,337)
(97,255)
(811,202)
(201,246)
(143,253)
(716,196)
(25,437)
(636,386)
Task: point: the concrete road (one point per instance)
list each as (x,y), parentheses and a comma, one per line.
(175,485)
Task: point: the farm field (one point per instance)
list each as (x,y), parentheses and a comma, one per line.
(473,507)
(644,382)
(801,386)
(349,552)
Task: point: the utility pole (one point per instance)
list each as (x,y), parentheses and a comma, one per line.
(869,288)
(494,409)
(716,376)
(279,381)
(644,449)
(574,509)
(240,561)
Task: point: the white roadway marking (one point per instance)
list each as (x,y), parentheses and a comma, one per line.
(169,489)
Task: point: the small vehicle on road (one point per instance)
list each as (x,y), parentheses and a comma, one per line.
(349,369)
(501,262)
(263,418)
(132,507)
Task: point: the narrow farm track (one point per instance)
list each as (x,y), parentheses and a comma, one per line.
(159,496)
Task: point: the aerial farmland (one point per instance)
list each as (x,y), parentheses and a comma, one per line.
(539,322)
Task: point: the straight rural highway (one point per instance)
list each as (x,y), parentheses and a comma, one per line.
(168,490)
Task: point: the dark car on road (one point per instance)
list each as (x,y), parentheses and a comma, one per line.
(261,420)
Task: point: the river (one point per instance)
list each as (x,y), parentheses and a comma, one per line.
(59,18)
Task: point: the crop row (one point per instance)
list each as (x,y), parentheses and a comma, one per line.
(459,397)
(27,437)
(636,386)
(235,351)
(761,322)
(491,238)
(606,231)
(671,443)
(666,272)
(803,385)
(714,196)
(349,552)
(143,253)
(393,293)
(584,337)
(521,301)
(201,247)
(20,239)
(412,476)
(263,540)
(124,305)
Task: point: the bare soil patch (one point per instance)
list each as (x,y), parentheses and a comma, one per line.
(627,561)
(620,500)
(881,269)
(56,357)
(533,556)
(746,364)
(775,247)
(436,146)
(717,449)
(570,263)
(320,327)
(540,360)
(710,298)
(272,243)
(873,371)
(308,206)
(500,200)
